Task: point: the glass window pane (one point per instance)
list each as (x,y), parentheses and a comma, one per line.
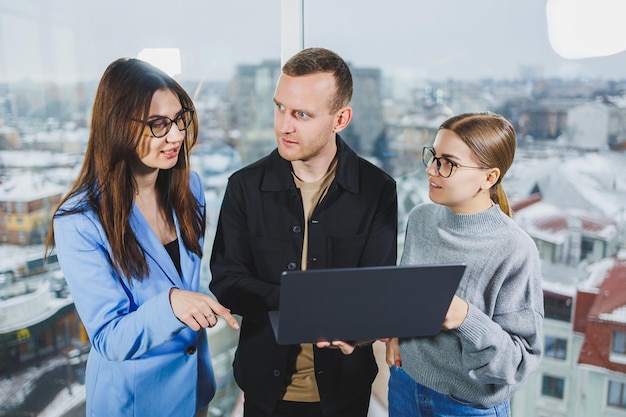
(52,55)
(619,342)
(615,391)
(555,347)
(552,386)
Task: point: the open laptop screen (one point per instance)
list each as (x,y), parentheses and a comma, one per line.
(364,303)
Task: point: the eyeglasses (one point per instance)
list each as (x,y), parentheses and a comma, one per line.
(161,126)
(445,167)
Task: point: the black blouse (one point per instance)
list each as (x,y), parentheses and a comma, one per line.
(172,249)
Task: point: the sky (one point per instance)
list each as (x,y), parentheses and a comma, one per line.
(66,40)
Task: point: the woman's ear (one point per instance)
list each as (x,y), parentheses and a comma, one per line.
(342,118)
(493,175)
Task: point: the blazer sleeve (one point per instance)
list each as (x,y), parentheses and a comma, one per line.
(117,328)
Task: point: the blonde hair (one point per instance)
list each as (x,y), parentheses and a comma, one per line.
(492,139)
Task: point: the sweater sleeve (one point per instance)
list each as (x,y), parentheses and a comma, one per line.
(507,347)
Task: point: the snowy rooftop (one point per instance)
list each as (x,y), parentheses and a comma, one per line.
(552,223)
(608,280)
(13,257)
(36,159)
(29,186)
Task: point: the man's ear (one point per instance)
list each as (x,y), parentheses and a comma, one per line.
(342,118)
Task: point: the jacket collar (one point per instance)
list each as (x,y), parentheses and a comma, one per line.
(154,249)
(278,176)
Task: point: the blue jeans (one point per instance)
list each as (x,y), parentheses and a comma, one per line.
(407,398)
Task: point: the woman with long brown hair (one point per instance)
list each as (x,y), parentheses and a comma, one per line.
(129,238)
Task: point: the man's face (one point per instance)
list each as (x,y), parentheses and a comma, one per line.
(303,123)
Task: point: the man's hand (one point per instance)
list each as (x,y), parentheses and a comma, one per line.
(346,347)
(199,311)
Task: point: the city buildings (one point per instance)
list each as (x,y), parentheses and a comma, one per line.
(569,197)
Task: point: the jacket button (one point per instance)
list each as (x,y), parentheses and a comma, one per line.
(190,350)
(291,266)
(296,229)
(276,372)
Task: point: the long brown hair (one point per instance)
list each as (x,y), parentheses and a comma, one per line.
(106,184)
(492,139)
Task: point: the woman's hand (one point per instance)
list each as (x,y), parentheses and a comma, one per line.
(456,313)
(199,311)
(393,352)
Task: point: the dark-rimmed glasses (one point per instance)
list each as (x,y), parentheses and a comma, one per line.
(161,126)
(445,167)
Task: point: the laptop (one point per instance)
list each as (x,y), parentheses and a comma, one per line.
(358,304)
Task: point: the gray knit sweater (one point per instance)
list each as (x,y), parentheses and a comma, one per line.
(500,343)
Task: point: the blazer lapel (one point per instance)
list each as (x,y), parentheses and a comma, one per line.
(154,248)
(186,258)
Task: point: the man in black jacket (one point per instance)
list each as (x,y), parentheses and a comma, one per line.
(312,203)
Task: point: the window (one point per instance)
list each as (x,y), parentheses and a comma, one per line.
(618,344)
(549,252)
(617,394)
(557,307)
(552,386)
(412,69)
(555,347)
(618,348)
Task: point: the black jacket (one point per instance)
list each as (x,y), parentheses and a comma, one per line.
(260,233)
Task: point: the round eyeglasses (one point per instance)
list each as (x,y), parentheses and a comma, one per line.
(445,167)
(161,126)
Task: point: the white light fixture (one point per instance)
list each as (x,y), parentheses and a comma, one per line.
(586,28)
(166,59)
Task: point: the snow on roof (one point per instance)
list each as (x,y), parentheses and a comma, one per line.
(520,180)
(540,221)
(29,186)
(36,159)
(594,182)
(617,316)
(552,223)
(597,273)
(609,277)
(13,257)
(559,288)
(561,278)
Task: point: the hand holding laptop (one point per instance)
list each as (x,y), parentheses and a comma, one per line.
(346,347)
(365,304)
(454,318)
(456,313)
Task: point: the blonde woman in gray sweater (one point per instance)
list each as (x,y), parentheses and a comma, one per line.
(491,339)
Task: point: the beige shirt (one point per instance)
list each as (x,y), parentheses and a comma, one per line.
(303,386)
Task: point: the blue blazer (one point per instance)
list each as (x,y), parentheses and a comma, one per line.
(143,360)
